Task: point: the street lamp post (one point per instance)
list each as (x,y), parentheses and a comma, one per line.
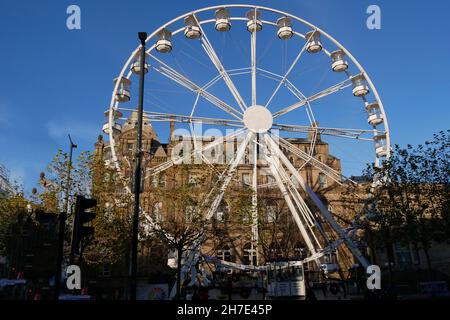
(137,173)
(62,225)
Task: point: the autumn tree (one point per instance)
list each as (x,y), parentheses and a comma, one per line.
(179,210)
(12,206)
(409,205)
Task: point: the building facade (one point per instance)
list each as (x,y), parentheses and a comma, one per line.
(5,184)
(278,235)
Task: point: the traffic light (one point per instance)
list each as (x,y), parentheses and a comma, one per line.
(80,231)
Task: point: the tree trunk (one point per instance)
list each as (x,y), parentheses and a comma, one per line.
(390,256)
(372,247)
(179,255)
(427,255)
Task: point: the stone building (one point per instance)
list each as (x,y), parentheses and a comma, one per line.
(273,209)
(273,212)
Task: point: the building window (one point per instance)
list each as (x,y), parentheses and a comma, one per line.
(247,157)
(129,148)
(249,255)
(246,179)
(322,180)
(270,180)
(222,212)
(192,179)
(274,252)
(146,204)
(330,258)
(155,181)
(106,271)
(224,253)
(157,212)
(403,255)
(299,251)
(162,180)
(271,213)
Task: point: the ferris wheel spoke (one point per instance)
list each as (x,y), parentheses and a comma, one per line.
(333,89)
(308,158)
(299,95)
(323,210)
(253,61)
(166,117)
(229,175)
(288,72)
(308,217)
(357,134)
(180,159)
(177,77)
(206,44)
(274,168)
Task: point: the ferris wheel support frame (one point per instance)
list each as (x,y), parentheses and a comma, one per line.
(282,176)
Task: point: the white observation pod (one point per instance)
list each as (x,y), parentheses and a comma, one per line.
(117,128)
(222,20)
(192,30)
(136,66)
(375,116)
(254,21)
(123,91)
(380,145)
(164,44)
(284,28)
(360,88)
(339,64)
(313,38)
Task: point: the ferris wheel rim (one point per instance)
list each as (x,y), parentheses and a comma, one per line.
(114,103)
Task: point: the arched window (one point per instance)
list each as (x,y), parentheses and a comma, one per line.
(248,254)
(224,253)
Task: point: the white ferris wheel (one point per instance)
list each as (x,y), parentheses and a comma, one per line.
(267,74)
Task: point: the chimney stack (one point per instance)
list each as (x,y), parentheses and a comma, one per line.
(172,130)
(311,133)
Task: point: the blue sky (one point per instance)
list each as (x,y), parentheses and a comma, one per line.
(57,81)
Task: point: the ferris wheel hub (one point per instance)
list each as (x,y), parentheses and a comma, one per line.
(258,119)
